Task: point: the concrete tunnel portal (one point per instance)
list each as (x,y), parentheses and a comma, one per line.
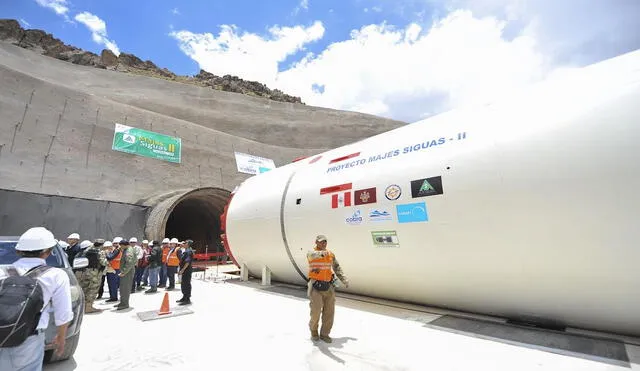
(193,214)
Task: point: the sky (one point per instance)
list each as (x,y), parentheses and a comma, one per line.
(402,59)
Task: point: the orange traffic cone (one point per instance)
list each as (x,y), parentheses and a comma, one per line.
(164,309)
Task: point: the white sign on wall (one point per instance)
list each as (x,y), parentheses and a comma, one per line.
(250,164)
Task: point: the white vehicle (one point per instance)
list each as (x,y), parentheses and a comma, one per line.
(525,208)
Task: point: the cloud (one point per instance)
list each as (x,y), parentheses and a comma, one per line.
(59,6)
(98,30)
(475,52)
(24,23)
(303,5)
(247,55)
(175,11)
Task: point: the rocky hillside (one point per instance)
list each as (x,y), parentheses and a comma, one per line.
(44,43)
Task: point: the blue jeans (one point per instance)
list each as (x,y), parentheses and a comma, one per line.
(27,356)
(145,276)
(163,275)
(113,280)
(153,277)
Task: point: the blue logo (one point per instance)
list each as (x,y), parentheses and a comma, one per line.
(354,219)
(379,215)
(412,213)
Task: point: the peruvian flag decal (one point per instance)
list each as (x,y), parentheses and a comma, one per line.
(340,200)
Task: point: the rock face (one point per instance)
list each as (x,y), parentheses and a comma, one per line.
(45,43)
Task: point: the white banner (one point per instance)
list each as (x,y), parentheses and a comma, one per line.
(250,164)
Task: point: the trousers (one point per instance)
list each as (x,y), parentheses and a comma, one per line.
(27,356)
(171,273)
(125,288)
(322,303)
(113,280)
(185,285)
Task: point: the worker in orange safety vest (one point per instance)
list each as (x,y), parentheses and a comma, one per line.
(321,291)
(172,263)
(163,267)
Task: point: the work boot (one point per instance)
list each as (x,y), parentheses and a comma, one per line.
(314,336)
(88,308)
(180,301)
(185,302)
(326,338)
(151,290)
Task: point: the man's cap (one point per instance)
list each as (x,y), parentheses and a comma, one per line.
(117,240)
(320,238)
(133,240)
(124,242)
(174,240)
(86,243)
(189,242)
(73,236)
(166,240)
(145,241)
(108,244)
(99,241)
(36,239)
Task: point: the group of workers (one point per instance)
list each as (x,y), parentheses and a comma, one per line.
(128,266)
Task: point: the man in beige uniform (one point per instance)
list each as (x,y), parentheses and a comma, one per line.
(321,291)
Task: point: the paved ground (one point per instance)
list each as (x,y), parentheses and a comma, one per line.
(244,326)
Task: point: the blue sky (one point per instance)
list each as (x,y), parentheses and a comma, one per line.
(403,59)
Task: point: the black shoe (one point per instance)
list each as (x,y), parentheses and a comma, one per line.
(186,302)
(121,308)
(150,291)
(110,300)
(180,301)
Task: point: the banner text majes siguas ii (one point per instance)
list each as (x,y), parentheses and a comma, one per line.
(146,143)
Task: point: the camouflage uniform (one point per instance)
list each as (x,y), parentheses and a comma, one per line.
(90,278)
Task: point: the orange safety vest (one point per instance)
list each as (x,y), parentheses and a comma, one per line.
(172,258)
(115,263)
(320,266)
(165,252)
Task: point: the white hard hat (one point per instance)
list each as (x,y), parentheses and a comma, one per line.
(166,240)
(86,243)
(34,239)
(107,244)
(151,243)
(63,244)
(145,241)
(117,240)
(133,239)
(174,240)
(73,236)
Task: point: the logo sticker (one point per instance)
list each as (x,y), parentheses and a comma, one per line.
(365,196)
(393,192)
(355,218)
(379,215)
(426,187)
(412,213)
(385,239)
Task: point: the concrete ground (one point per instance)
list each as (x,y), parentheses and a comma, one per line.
(245,326)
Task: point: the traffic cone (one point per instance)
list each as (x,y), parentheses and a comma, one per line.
(164,309)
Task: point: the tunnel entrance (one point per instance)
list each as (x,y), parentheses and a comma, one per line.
(191,215)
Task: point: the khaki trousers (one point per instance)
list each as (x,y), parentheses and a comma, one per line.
(322,302)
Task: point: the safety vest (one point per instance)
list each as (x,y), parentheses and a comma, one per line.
(115,263)
(320,266)
(172,258)
(165,252)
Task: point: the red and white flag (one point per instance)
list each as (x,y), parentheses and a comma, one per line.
(340,200)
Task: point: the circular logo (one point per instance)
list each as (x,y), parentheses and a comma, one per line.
(393,192)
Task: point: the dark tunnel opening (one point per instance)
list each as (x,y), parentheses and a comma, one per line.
(196,216)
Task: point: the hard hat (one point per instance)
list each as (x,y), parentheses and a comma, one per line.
(145,241)
(174,240)
(151,243)
(34,239)
(108,244)
(99,240)
(133,240)
(117,240)
(166,240)
(86,243)
(320,238)
(63,244)
(73,236)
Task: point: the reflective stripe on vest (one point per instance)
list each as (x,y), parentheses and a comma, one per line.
(172,258)
(320,266)
(115,263)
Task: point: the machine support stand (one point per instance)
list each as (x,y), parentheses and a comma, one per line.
(266,276)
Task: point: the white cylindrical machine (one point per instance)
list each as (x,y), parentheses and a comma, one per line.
(525,208)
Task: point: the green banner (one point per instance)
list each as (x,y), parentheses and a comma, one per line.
(146,143)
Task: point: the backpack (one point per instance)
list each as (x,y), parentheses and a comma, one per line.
(21,301)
